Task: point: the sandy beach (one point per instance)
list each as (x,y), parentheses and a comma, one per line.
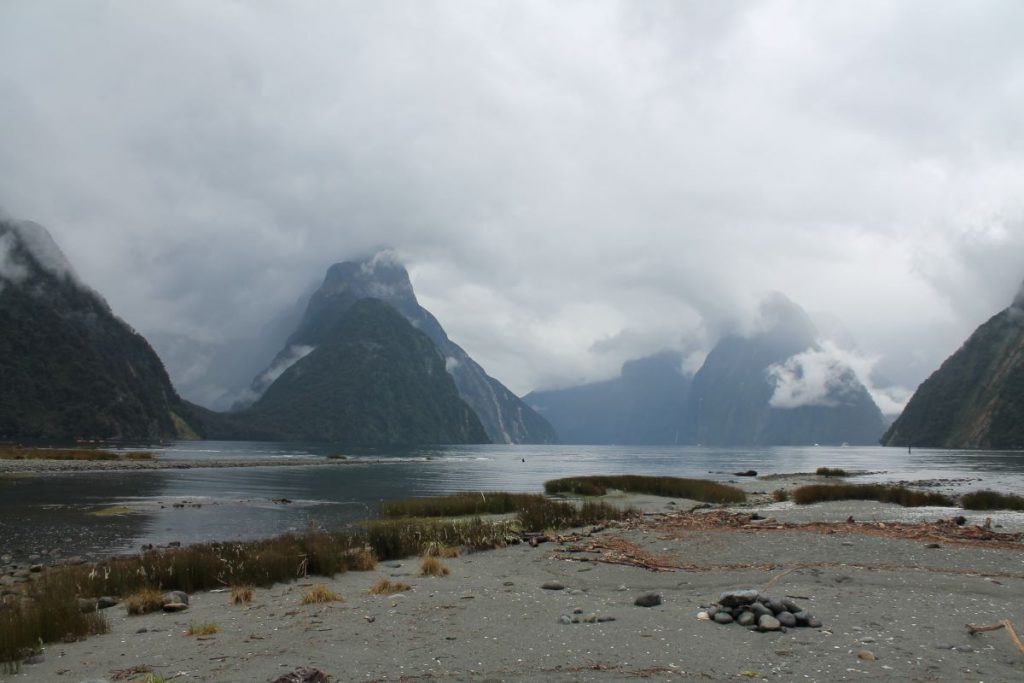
(893,599)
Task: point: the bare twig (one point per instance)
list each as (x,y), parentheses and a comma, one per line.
(1005,623)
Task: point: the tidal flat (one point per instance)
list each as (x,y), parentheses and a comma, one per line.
(893,600)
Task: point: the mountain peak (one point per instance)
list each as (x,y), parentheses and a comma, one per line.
(379,276)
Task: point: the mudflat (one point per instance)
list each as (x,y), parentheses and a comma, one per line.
(893,599)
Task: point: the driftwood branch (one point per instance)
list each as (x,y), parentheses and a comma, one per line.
(1005,623)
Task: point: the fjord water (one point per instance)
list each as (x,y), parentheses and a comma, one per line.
(46,512)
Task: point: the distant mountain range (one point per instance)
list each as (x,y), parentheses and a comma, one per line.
(644,405)
(366,366)
(754,390)
(976,397)
(69,368)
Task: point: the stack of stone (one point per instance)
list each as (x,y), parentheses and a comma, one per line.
(758,612)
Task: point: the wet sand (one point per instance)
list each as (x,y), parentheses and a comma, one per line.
(902,600)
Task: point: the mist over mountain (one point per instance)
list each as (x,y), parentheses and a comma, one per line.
(69,368)
(775,385)
(976,397)
(505,417)
(646,404)
(779,386)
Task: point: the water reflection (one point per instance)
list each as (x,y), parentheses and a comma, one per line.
(189,505)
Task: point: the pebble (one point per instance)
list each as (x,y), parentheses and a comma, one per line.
(786,619)
(565,619)
(648,600)
(553,586)
(723,617)
(866,655)
(105,602)
(736,598)
(768,623)
(746,619)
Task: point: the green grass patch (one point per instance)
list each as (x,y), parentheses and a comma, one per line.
(458,504)
(112,511)
(991,500)
(831,472)
(673,487)
(898,495)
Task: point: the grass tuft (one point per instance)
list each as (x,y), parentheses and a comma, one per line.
(674,487)
(207,629)
(898,495)
(431,566)
(457,505)
(384,586)
(241,595)
(320,594)
(144,601)
(780,495)
(831,472)
(991,500)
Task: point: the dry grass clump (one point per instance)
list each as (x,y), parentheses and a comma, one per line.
(363,560)
(831,472)
(457,504)
(144,601)
(991,500)
(780,495)
(557,514)
(384,586)
(674,487)
(19,453)
(431,566)
(207,629)
(320,594)
(442,550)
(47,612)
(241,595)
(898,495)
(138,455)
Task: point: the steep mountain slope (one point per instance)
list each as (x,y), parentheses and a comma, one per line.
(504,416)
(646,404)
(372,380)
(738,396)
(68,367)
(976,397)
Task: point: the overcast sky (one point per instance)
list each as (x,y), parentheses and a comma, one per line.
(571,184)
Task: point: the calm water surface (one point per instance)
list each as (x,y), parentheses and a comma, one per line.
(40,513)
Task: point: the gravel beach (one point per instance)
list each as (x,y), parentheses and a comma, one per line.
(892,608)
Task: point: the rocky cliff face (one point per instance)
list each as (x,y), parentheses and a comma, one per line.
(69,368)
(371,380)
(503,415)
(646,404)
(976,398)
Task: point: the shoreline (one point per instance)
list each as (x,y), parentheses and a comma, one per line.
(893,595)
(893,607)
(41,466)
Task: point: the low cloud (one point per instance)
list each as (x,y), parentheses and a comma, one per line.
(827,375)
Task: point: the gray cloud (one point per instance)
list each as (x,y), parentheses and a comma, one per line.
(571,184)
